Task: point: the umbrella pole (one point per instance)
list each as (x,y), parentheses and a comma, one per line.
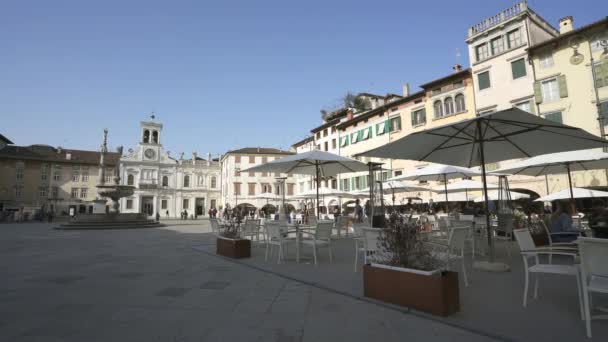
(572,205)
(485,193)
(317,170)
(447,203)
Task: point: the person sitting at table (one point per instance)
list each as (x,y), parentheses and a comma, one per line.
(561,222)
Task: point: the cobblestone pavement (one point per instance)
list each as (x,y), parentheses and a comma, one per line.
(151,285)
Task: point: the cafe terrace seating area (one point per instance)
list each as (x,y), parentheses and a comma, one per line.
(330,255)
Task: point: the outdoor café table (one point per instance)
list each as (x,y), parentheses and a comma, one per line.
(298,229)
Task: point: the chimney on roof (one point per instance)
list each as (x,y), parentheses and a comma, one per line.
(258,150)
(406,89)
(457,67)
(566,24)
(194,156)
(349,114)
(208,159)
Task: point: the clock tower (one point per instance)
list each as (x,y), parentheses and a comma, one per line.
(150,141)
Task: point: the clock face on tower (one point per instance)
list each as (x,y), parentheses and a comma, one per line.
(149,153)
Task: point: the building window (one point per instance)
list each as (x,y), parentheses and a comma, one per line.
(213,182)
(514,38)
(57,172)
(290,189)
(55,192)
(419,117)
(129,204)
(237,159)
(74,193)
(333,144)
(75,173)
(325,132)
(186,181)
(109,173)
(251,190)
(497,45)
(237,188)
(438,107)
(398,173)
(448,103)
(555,117)
(345,185)
(546,61)
(395,124)
(44,172)
(525,106)
(83,193)
(334,184)
(163,204)
(326,145)
(481,51)
(130,180)
(42,191)
(18,191)
(484,80)
(601,74)
(155,137)
(318,135)
(460,103)
(85,174)
(185,203)
(146,136)
(165,181)
(251,159)
(518,68)
(550,90)
(266,188)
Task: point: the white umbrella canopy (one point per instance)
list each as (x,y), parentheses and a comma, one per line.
(494,196)
(464,185)
(489,138)
(454,197)
(577,192)
(318,163)
(323,191)
(555,163)
(437,172)
(267,196)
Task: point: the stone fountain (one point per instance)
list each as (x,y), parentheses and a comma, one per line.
(112,218)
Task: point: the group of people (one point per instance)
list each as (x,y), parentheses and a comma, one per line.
(212,213)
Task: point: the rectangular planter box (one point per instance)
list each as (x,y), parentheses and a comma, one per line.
(435,293)
(232,248)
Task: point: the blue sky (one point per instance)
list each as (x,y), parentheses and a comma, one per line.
(221,74)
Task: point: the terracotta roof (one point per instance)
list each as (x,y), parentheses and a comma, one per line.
(5,139)
(303,141)
(259,150)
(569,34)
(325,125)
(453,76)
(50,154)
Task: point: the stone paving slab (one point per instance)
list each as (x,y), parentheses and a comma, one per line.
(151,285)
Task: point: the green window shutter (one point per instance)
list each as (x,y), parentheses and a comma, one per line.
(387,126)
(371,131)
(413,114)
(518,68)
(555,117)
(483,80)
(538,95)
(360,135)
(377,129)
(563,87)
(363,181)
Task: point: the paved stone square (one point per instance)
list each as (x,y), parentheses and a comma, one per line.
(152,285)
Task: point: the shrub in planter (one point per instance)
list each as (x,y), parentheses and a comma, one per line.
(406,272)
(230,244)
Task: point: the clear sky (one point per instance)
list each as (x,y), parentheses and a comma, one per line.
(221,74)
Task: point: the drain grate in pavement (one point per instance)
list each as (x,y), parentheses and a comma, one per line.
(61,280)
(173,292)
(214,285)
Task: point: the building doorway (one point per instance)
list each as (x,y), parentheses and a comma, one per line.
(147,205)
(200,206)
(213,203)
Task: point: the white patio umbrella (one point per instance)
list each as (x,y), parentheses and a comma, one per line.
(454,197)
(465,186)
(489,138)
(318,163)
(555,163)
(494,196)
(392,187)
(572,193)
(439,172)
(267,196)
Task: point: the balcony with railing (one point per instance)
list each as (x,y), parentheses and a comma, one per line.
(499,18)
(148,184)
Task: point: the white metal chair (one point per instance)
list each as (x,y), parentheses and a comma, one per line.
(358,238)
(454,249)
(275,237)
(251,228)
(370,248)
(506,223)
(215,226)
(529,253)
(594,274)
(320,238)
(342,225)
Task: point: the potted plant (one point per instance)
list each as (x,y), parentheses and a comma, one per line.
(230,244)
(406,272)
